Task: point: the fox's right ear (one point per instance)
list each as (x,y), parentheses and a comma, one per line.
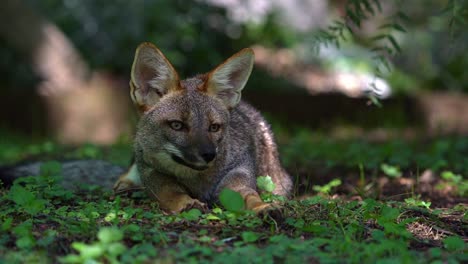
(228,79)
(152,76)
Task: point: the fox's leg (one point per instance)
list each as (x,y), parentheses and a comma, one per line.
(240,181)
(129,180)
(171,197)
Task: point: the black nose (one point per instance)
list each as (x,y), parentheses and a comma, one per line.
(208,156)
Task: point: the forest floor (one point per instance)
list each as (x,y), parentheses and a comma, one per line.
(355,201)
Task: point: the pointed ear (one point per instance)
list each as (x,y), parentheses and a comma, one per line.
(152,76)
(228,79)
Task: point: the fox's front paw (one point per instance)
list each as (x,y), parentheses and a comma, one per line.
(186,203)
(262,207)
(255,203)
(267,209)
(128,181)
(125,185)
(203,207)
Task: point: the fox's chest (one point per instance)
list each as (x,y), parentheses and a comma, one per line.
(201,186)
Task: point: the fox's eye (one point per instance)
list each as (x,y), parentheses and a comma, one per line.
(214,127)
(176,125)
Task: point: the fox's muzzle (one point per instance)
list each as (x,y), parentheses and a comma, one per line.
(196,158)
(181,161)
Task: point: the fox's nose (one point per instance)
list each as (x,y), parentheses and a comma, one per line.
(208,156)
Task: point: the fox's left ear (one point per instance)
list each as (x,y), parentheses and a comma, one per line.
(228,79)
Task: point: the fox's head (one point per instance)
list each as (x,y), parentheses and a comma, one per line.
(184,122)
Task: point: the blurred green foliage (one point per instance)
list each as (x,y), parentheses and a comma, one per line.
(434,51)
(425,40)
(194,35)
(320,151)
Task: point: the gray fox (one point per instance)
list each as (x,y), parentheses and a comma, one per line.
(196,137)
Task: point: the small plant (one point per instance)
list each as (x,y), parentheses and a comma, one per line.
(88,151)
(191,215)
(26,200)
(108,248)
(32,194)
(416,201)
(231,200)
(391,171)
(454,243)
(327,188)
(249,237)
(267,186)
(266,183)
(25,238)
(456,181)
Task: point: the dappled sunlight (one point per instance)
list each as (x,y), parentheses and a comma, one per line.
(284,63)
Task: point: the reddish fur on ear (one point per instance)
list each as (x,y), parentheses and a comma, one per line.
(204,78)
(152,77)
(228,79)
(141,108)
